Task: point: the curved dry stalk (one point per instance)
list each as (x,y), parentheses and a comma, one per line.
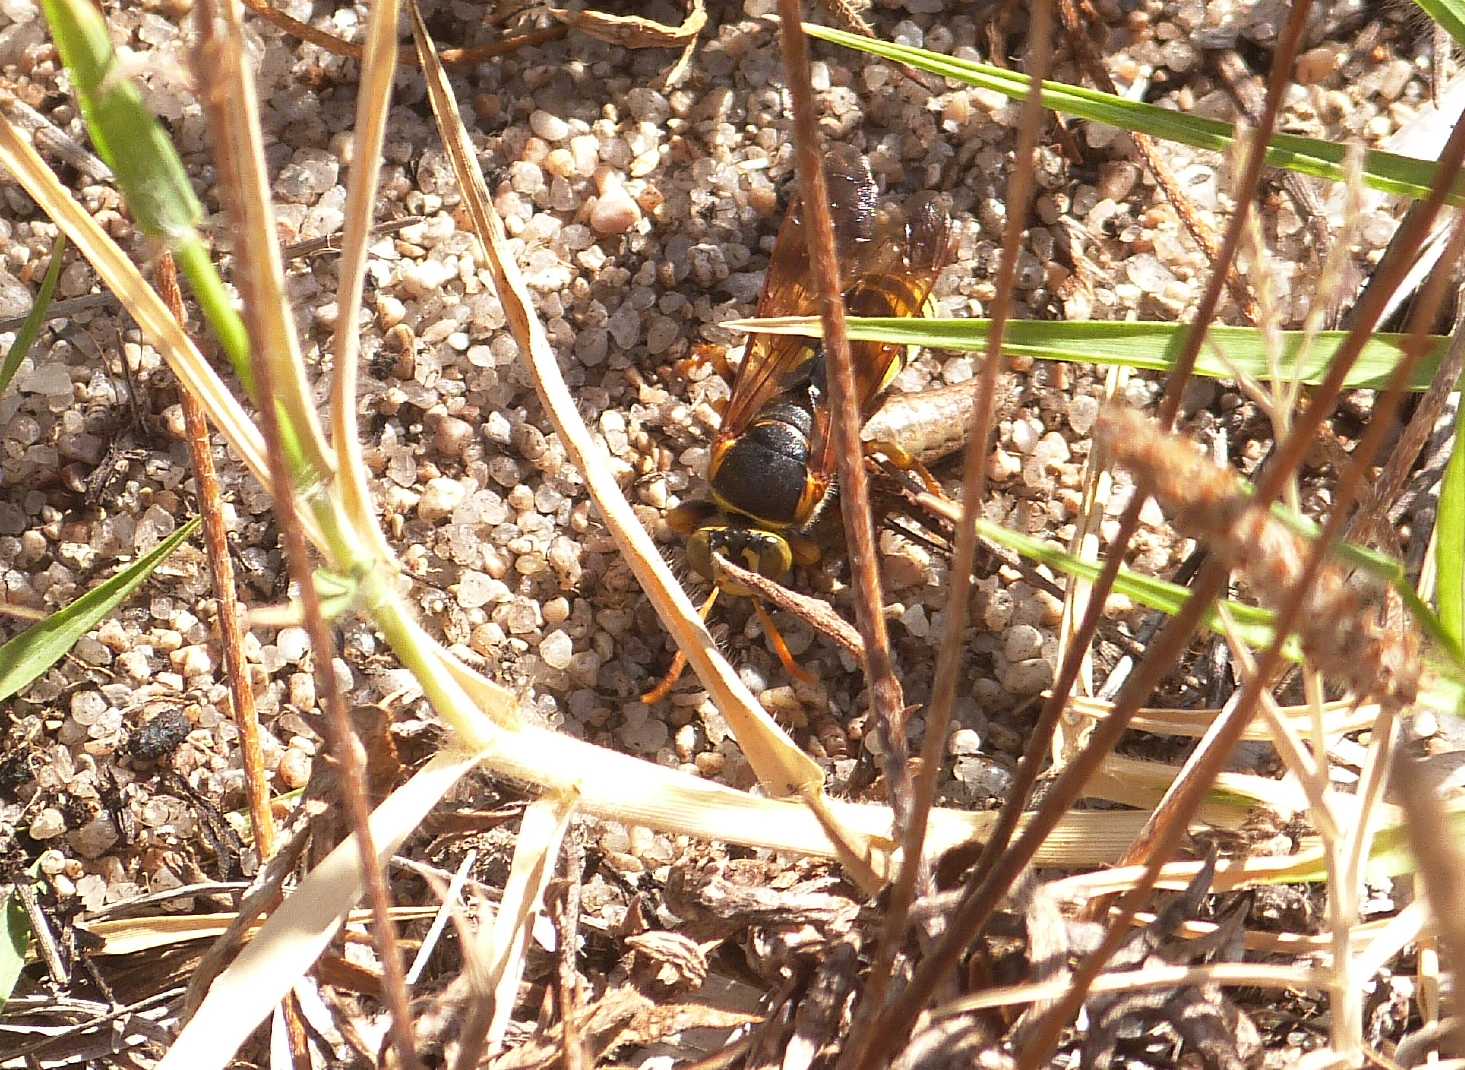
(886,697)
(974,483)
(378,65)
(232,108)
(782,768)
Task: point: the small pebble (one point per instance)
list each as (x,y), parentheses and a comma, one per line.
(439,498)
(615,211)
(293,644)
(550,127)
(556,649)
(294,768)
(48,824)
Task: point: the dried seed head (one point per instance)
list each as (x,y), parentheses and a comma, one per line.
(1338,630)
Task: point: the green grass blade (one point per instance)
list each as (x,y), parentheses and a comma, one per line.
(43,644)
(1450,546)
(1447,13)
(15,940)
(1384,171)
(30,330)
(1389,572)
(1252,624)
(1144,345)
(127,136)
(149,173)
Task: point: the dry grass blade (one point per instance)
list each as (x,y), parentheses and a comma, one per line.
(781,767)
(497,963)
(304,31)
(121,276)
(974,473)
(241,997)
(232,107)
(1249,974)
(1340,718)
(1068,736)
(288,416)
(379,64)
(132,936)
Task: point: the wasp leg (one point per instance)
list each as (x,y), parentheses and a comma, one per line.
(903,460)
(793,668)
(678,662)
(806,551)
(703,355)
(714,355)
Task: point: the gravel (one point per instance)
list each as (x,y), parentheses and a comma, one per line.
(643,216)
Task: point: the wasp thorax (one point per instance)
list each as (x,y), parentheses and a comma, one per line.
(764,552)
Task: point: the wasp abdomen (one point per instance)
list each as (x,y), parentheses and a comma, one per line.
(762,473)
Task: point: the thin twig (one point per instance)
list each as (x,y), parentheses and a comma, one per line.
(304,31)
(251,215)
(221,571)
(974,486)
(854,495)
(816,614)
(1081,38)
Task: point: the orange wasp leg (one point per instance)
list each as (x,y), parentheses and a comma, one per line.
(714,355)
(678,663)
(797,671)
(906,462)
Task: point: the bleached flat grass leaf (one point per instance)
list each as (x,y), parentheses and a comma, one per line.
(502,945)
(244,994)
(781,766)
(43,644)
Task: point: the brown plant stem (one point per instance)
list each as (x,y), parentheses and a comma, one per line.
(854,497)
(221,571)
(231,635)
(241,191)
(1081,37)
(304,31)
(1165,836)
(974,485)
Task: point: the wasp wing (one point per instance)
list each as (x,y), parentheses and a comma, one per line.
(915,246)
(775,363)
